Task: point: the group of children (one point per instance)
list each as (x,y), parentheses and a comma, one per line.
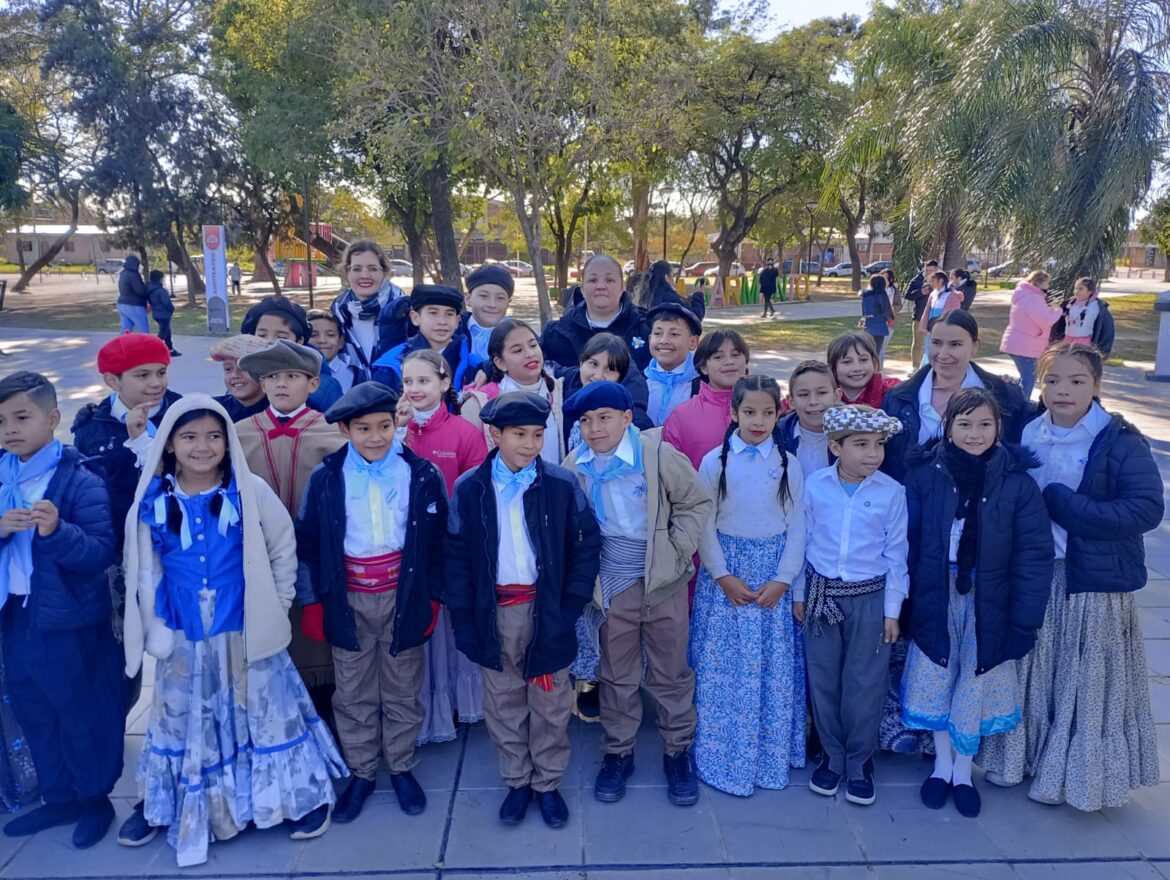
(326,582)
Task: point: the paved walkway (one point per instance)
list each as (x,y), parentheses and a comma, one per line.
(787,834)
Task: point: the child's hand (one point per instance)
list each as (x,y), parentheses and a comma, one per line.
(45,517)
(890,635)
(771,593)
(19,519)
(136,421)
(798,611)
(737,592)
(403,413)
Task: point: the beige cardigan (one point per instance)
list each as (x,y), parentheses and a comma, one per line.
(270,556)
(677,510)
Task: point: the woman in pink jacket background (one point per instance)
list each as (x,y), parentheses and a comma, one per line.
(1029,324)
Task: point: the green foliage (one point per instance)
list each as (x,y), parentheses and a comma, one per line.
(13,135)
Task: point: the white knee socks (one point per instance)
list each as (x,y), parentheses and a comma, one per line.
(944,758)
(962,772)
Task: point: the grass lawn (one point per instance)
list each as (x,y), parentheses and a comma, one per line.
(1137,330)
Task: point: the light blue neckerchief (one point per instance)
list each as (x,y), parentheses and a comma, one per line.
(228,515)
(13,472)
(151,428)
(615,468)
(357,482)
(671,379)
(513,483)
(479,338)
(738,445)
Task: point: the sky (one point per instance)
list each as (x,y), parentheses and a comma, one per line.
(791,13)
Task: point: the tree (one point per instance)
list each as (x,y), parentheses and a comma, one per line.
(1156,228)
(13,137)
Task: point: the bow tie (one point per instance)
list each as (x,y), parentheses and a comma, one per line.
(285,425)
(513,483)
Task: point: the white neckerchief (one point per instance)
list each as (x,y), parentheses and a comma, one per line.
(422,416)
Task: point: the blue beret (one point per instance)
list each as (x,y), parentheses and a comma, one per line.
(516,408)
(597,395)
(672,311)
(435,295)
(492,273)
(361,400)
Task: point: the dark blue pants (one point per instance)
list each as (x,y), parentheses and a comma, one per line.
(67,693)
(164,331)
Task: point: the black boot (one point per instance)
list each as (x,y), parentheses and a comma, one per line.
(410,794)
(96,817)
(349,805)
(515,805)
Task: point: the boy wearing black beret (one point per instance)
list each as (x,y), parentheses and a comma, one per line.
(435,310)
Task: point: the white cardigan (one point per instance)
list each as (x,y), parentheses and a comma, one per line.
(270,556)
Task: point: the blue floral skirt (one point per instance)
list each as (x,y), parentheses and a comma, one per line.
(952,697)
(452,686)
(750,689)
(230,743)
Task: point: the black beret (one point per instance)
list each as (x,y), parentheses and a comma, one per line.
(435,295)
(293,314)
(597,395)
(516,408)
(672,311)
(361,400)
(283,356)
(492,273)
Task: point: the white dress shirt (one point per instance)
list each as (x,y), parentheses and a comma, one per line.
(516,560)
(1063,454)
(376,524)
(624,498)
(860,536)
(752,508)
(930,420)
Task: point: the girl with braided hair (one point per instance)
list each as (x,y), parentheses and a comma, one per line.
(746,647)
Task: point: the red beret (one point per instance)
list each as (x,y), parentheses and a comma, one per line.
(132,350)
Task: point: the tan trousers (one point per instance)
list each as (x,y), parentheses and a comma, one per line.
(376,705)
(529,726)
(663,630)
(917,346)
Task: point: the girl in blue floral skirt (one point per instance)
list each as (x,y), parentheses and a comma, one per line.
(746,648)
(233,737)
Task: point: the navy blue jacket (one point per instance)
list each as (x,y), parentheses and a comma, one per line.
(70,589)
(563,339)
(100,437)
(790,437)
(901,402)
(160,301)
(321,546)
(1013,563)
(463,363)
(567,542)
(131,287)
(236,411)
(1118,500)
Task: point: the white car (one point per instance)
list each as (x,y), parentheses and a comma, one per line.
(518,268)
(400,267)
(737,269)
(841,270)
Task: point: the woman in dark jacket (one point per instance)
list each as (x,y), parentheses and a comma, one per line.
(980,569)
(1088,735)
(877,314)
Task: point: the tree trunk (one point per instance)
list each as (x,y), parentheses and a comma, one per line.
(640,220)
(414,244)
(530,224)
(854,254)
(51,251)
(954,255)
(263,270)
(177,254)
(442,219)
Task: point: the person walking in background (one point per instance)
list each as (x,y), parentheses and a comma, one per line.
(1029,325)
(159,299)
(918,293)
(768,287)
(235,275)
(132,297)
(964,284)
(877,314)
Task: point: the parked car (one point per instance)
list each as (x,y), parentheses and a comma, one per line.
(108,267)
(518,268)
(400,267)
(737,269)
(696,270)
(878,266)
(1003,270)
(841,270)
(628,267)
(974,266)
(806,268)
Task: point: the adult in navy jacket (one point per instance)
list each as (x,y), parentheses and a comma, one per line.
(1013,562)
(567,543)
(321,547)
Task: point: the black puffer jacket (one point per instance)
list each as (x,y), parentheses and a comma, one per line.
(567,542)
(1014,556)
(1118,500)
(563,339)
(131,287)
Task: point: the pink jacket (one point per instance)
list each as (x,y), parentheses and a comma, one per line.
(450,443)
(1029,322)
(697,426)
(953,299)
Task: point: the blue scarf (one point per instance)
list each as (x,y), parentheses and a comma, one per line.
(13,472)
(161,489)
(671,379)
(513,483)
(615,469)
(357,481)
(151,427)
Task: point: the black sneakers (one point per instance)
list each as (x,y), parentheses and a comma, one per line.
(861,791)
(824,781)
(610,786)
(682,784)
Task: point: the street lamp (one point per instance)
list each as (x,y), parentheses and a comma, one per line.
(666,192)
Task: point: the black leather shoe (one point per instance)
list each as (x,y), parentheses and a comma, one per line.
(610,786)
(349,805)
(967,800)
(410,793)
(682,783)
(934,792)
(515,805)
(42,818)
(553,808)
(96,818)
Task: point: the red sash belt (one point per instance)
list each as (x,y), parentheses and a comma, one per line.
(521,594)
(373,574)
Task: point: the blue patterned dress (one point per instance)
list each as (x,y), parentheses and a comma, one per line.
(228,742)
(750,688)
